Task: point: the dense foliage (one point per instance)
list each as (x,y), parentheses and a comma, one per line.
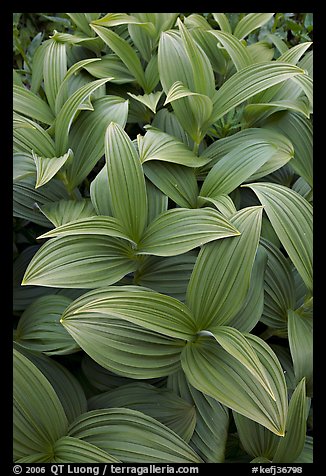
(162,237)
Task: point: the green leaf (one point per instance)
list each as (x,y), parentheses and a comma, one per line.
(223,22)
(299,130)
(132,437)
(39,328)
(28,136)
(87,135)
(157,145)
(249,81)
(125,52)
(64,211)
(93,44)
(82,22)
(126,181)
(212,419)
(290,447)
(169,123)
(261,51)
(124,348)
(251,22)
(67,113)
(221,277)
(29,104)
(167,275)
(258,113)
(64,383)
(307,453)
(176,181)
(159,403)
(74,450)
(149,309)
(291,217)
(109,65)
(181,229)
(23,166)
(300,332)
(256,440)
(212,370)
(275,146)
(202,71)
(46,168)
(100,193)
(93,225)
(278,287)
(26,199)
(39,418)
(54,70)
(156,200)
(150,100)
(79,262)
(250,313)
(193,109)
(235,343)
(223,203)
(114,19)
(238,52)
(235,168)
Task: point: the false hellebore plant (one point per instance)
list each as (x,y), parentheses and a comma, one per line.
(179,271)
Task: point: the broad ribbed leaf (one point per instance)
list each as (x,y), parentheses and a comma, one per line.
(132,436)
(25,197)
(39,418)
(22,166)
(168,122)
(94,225)
(150,100)
(235,168)
(124,348)
(46,168)
(167,275)
(202,71)
(276,147)
(87,135)
(307,454)
(300,332)
(181,229)
(75,450)
(251,22)
(291,217)
(238,52)
(110,65)
(176,181)
(126,181)
(82,22)
(67,113)
(79,262)
(65,211)
(27,103)
(114,19)
(256,440)
(223,22)
(157,145)
(212,419)
(28,136)
(299,130)
(157,201)
(278,286)
(261,51)
(235,343)
(93,44)
(64,383)
(54,70)
(290,447)
(159,403)
(250,313)
(39,328)
(125,52)
(193,109)
(249,81)
(223,203)
(221,277)
(100,193)
(212,370)
(257,113)
(149,309)
(37,66)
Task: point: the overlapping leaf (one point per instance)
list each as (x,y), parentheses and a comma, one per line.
(220,280)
